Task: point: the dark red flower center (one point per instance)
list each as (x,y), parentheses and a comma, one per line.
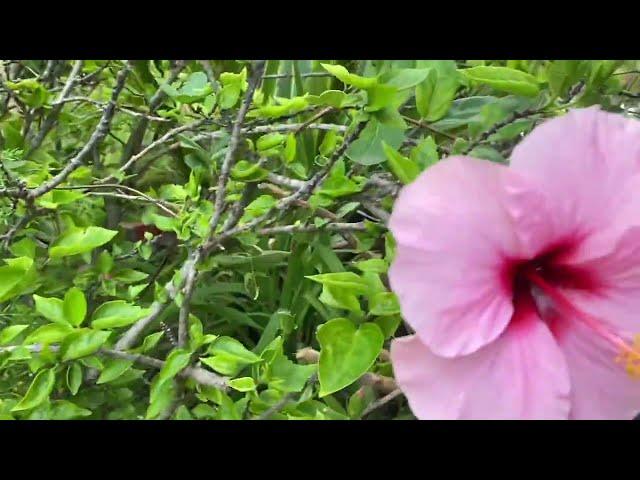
(543,281)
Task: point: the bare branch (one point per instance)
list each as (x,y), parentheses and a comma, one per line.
(234,142)
(329,227)
(96,138)
(164,139)
(52,118)
(381,402)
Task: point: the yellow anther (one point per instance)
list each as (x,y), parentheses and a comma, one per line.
(630,357)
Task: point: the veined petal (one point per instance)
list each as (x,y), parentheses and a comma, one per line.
(521,375)
(455,226)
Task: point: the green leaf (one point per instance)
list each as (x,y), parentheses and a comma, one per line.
(504,79)
(367,149)
(162,396)
(80,240)
(347,78)
(329,143)
(330,98)
(338,184)
(229,356)
(12,275)
(9,333)
(270,140)
(244,384)
(113,368)
(231,346)
(384,303)
(82,343)
(348,281)
(50,308)
(74,377)
(464,112)
(54,198)
(24,248)
(281,373)
(562,74)
(336,297)
(346,353)
(245,171)
(404,78)
(425,153)
(75,306)
(388,324)
(149,342)
(65,410)
(404,169)
(290,148)
(38,391)
(259,206)
(47,334)
(176,361)
(381,96)
(116,313)
(435,94)
(375,265)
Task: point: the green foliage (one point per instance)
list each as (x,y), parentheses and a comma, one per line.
(288,310)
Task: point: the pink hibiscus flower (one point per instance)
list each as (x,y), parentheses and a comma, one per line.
(522,283)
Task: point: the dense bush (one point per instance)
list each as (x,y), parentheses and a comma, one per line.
(206,239)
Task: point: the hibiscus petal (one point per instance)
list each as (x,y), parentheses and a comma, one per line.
(456,227)
(582,161)
(521,375)
(616,298)
(600,387)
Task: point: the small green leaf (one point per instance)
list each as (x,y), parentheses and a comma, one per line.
(176,361)
(425,153)
(74,377)
(116,313)
(290,148)
(38,391)
(9,333)
(47,334)
(347,78)
(82,343)
(388,324)
(229,356)
(346,353)
(244,384)
(435,94)
(367,149)
(375,265)
(404,169)
(78,240)
(50,308)
(345,280)
(75,306)
(270,140)
(384,303)
(504,79)
(245,171)
(113,368)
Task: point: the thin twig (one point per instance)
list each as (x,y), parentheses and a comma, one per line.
(329,227)
(118,107)
(164,139)
(381,402)
(200,375)
(96,138)
(234,142)
(227,164)
(51,119)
